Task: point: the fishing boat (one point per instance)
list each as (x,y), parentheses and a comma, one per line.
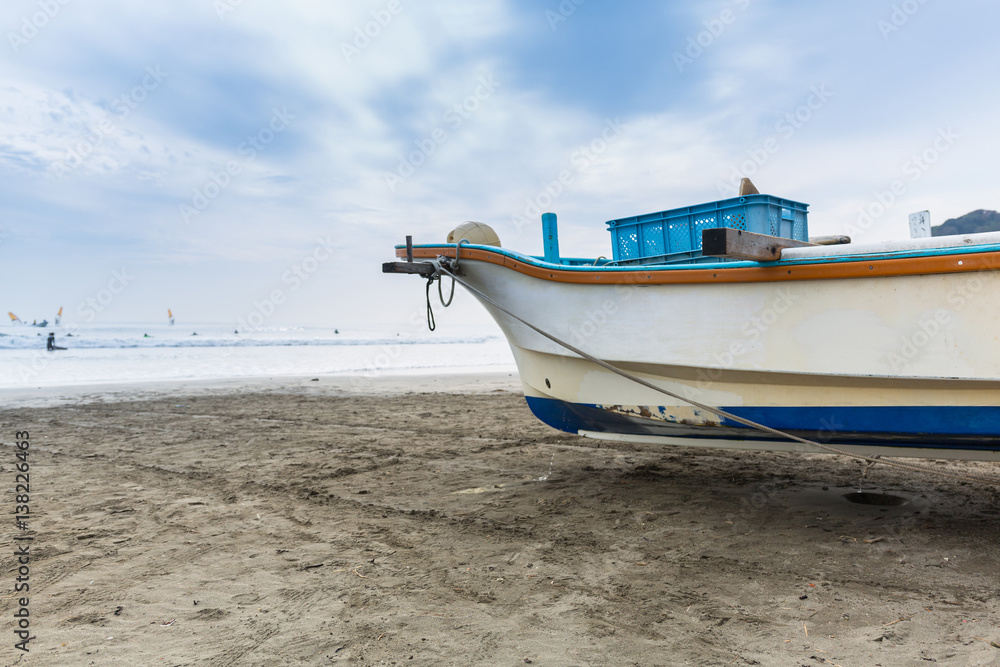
(712,320)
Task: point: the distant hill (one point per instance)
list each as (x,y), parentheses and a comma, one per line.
(970,223)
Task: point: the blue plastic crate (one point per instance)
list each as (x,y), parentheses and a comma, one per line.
(675,235)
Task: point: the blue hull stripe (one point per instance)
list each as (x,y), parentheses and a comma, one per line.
(948,419)
(959,427)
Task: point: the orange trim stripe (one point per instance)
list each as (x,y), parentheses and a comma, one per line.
(907,266)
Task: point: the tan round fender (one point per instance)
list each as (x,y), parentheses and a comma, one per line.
(474,232)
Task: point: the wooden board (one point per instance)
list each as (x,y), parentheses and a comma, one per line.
(739,244)
(420,268)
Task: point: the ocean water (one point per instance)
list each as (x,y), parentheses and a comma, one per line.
(133,352)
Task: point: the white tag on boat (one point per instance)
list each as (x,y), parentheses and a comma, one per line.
(920,225)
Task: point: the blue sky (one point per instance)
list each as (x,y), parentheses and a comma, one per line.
(217,151)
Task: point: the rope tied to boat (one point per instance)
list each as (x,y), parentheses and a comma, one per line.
(444,265)
(431,323)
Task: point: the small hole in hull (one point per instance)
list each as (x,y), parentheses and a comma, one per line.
(871,498)
(548,384)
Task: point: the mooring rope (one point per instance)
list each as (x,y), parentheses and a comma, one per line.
(442,265)
(431,324)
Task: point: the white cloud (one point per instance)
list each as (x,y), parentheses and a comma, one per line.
(358,116)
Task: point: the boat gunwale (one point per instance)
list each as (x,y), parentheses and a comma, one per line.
(936,260)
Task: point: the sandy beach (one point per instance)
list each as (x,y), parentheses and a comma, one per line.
(434,521)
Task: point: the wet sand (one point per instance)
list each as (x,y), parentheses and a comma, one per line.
(436,522)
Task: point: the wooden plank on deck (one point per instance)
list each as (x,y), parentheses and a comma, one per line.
(739,244)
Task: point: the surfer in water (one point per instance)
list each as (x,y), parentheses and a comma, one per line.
(50,344)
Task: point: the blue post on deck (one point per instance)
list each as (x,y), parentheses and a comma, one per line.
(550,237)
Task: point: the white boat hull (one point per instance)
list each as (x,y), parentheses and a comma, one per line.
(890,349)
(898,366)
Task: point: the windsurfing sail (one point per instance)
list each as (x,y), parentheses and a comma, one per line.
(14,318)
(59,315)
(170,315)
